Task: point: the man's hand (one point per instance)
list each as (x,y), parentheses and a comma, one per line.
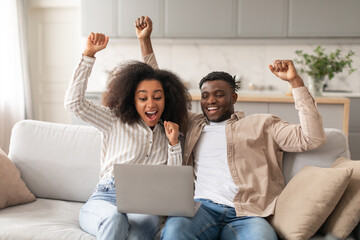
(94,43)
(285,70)
(143,27)
(172,132)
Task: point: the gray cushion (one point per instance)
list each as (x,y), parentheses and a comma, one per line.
(336,146)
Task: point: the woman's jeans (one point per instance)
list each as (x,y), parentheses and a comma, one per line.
(217,221)
(99,217)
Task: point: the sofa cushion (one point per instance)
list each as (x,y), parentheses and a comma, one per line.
(57,161)
(307,200)
(13,190)
(336,146)
(43,219)
(346,214)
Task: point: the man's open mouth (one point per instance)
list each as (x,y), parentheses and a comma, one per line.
(212,109)
(151,115)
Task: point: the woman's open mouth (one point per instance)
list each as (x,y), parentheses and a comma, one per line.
(151,115)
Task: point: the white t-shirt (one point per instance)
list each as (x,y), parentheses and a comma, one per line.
(213,179)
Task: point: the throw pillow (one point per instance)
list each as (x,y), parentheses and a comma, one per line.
(346,214)
(13,190)
(307,200)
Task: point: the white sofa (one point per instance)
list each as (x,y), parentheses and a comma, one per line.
(60,164)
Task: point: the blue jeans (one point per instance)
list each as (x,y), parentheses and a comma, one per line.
(99,217)
(217,221)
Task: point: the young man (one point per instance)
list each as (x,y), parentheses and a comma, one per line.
(237,160)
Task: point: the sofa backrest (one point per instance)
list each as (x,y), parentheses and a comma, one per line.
(336,146)
(57,161)
(61,161)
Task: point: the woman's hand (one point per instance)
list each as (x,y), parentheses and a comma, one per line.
(143,27)
(172,132)
(94,43)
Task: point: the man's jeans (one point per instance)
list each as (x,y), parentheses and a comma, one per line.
(217,221)
(99,217)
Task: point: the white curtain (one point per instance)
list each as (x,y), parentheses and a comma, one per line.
(15,103)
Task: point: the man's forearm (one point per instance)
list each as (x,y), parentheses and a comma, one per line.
(296,82)
(145,46)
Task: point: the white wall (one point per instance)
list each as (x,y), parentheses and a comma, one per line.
(193,59)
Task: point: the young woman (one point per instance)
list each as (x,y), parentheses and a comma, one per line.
(142,113)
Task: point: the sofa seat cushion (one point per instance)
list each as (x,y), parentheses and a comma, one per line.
(42,220)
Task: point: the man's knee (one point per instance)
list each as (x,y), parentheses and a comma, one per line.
(261,227)
(249,228)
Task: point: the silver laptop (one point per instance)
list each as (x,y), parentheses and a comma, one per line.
(155,189)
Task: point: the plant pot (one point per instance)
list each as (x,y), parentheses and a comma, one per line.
(316,86)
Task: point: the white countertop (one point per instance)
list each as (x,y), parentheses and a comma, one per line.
(341,94)
(196,92)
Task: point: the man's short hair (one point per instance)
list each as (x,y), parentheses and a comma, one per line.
(224,76)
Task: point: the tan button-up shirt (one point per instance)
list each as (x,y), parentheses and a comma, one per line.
(255,146)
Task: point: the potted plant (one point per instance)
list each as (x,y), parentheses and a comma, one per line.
(322,65)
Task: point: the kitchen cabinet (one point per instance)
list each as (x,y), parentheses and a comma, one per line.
(99,16)
(354,128)
(130,10)
(116,17)
(262,18)
(171,18)
(200,18)
(324,18)
(334,110)
(354,144)
(332,114)
(224,19)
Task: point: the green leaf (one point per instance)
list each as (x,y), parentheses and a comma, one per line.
(320,64)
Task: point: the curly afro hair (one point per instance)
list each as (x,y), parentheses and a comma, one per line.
(123,81)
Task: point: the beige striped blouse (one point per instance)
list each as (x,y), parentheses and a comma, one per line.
(122,143)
